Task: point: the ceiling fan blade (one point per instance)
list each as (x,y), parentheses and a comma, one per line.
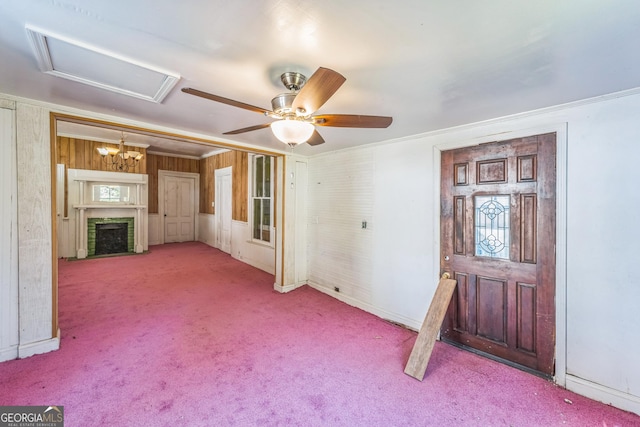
(352,121)
(315,139)
(223,100)
(317,90)
(249,129)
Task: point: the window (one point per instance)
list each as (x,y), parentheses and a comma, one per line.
(492,226)
(111,193)
(261,193)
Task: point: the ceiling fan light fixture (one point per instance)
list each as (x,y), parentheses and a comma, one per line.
(291,131)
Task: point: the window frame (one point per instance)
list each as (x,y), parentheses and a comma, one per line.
(267,182)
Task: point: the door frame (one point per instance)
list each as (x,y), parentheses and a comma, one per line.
(162,175)
(561,220)
(218,222)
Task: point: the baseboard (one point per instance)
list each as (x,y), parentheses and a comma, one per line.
(392,317)
(9,353)
(39,347)
(625,401)
(260,266)
(283,289)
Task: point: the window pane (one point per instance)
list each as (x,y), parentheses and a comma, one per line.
(104,193)
(110,193)
(114,193)
(257,213)
(267,176)
(261,197)
(492,226)
(258,177)
(266,219)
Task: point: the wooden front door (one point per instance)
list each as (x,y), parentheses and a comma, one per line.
(498,242)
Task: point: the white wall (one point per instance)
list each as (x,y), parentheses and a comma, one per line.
(9,338)
(341,196)
(392,268)
(207,229)
(242,248)
(154,229)
(26,283)
(256,254)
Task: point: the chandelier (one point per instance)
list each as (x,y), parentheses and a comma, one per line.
(119,159)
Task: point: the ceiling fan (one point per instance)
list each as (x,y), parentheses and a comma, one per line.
(293,110)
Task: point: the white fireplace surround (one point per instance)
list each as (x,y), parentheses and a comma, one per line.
(80,184)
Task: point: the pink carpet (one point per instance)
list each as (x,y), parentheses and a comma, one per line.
(187,336)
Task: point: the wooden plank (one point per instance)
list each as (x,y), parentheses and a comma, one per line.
(421,353)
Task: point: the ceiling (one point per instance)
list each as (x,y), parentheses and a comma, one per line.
(428,64)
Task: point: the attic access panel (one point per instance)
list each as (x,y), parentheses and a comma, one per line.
(96,67)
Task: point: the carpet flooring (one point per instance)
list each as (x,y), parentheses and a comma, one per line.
(187,336)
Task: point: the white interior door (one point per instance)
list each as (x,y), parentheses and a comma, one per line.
(179,217)
(223,209)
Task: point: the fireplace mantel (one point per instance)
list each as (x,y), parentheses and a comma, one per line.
(80,184)
(113,206)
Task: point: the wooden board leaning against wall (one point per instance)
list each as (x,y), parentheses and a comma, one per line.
(77,153)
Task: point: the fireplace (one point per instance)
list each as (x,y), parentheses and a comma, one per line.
(104,197)
(110,236)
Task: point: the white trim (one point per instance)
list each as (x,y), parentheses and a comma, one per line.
(8,104)
(562,143)
(561,222)
(162,174)
(384,314)
(287,288)
(149,128)
(181,156)
(38,39)
(609,396)
(250,216)
(213,153)
(218,174)
(99,139)
(39,347)
(9,353)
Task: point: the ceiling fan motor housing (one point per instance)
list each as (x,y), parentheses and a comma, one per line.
(292,80)
(281,104)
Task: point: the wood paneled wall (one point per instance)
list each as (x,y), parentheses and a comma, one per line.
(82,154)
(239,161)
(157,162)
(75,153)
